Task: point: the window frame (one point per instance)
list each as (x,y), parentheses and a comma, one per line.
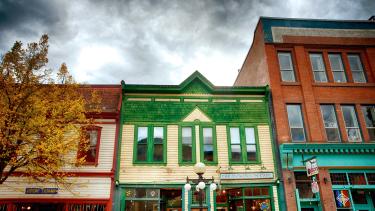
(286,52)
(180,148)
(324,70)
(363,71)
(337,122)
(358,123)
(364,116)
(302,119)
(97,147)
(150,145)
(201,144)
(243,144)
(342,65)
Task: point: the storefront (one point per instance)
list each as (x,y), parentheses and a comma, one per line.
(346,176)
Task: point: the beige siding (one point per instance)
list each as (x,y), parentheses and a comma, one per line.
(84,187)
(275,198)
(172,172)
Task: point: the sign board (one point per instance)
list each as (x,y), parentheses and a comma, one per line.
(314,187)
(249,175)
(312,167)
(41,190)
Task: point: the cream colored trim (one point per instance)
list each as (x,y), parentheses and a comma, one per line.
(251,101)
(223,101)
(167,100)
(139,99)
(197,144)
(195,100)
(190,95)
(197,114)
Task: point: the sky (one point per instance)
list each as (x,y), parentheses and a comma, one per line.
(155,41)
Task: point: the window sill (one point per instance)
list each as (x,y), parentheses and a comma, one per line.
(245,163)
(186,164)
(149,163)
(347,84)
(283,83)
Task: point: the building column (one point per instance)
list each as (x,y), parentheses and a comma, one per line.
(327,199)
(289,188)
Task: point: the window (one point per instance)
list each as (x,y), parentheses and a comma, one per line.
(296,125)
(187,145)
(242,144)
(208,154)
(351,124)
(286,67)
(150,144)
(89,148)
(339,178)
(318,67)
(330,122)
(303,184)
(337,67)
(369,114)
(357,68)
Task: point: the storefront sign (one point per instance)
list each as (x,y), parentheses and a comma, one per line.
(342,198)
(312,167)
(254,175)
(41,190)
(314,187)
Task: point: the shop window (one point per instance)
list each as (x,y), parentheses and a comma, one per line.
(150,144)
(89,147)
(243,147)
(370,178)
(318,68)
(140,199)
(359,197)
(84,207)
(369,115)
(187,145)
(170,199)
(351,123)
(357,68)
(208,145)
(357,178)
(221,197)
(248,198)
(339,179)
(330,123)
(286,67)
(3,207)
(296,125)
(342,199)
(337,67)
(303,184)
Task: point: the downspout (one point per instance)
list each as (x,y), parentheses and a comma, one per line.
(276,148)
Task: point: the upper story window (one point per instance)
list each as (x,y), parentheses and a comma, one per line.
(330,122)
(337,67)
(150,144)
(242,143)
(317,65)
(296,125)
(369,115)
(351,123)
(357,68)
(89,148)
(286,67)
(187,145)
(208,145)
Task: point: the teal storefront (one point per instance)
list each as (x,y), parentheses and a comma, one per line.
(346,175)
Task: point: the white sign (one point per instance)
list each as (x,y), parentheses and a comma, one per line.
(312,167)
(252,175)
(314,187)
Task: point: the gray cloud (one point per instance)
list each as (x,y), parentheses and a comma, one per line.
(156,42)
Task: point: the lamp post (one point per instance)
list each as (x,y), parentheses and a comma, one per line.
(200,183)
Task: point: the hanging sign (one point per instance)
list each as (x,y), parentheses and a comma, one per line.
(342,198)
(312,167)
(315,187)
(41,190)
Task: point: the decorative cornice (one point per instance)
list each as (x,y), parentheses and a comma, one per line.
(329,148)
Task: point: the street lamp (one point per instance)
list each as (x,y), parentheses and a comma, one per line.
(200,183)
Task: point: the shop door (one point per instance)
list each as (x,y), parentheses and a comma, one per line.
(363,200)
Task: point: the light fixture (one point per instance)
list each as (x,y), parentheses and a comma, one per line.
(213,186)
(201,185)
(187,187)
(200,168)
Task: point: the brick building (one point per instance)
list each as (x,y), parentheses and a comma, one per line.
(322,78)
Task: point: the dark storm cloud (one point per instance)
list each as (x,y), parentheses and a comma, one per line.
(154,41)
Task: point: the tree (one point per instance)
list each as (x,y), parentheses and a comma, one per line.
(40,115)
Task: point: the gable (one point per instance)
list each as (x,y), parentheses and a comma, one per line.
(197,114)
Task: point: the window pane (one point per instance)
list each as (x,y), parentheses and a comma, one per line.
(236,153)
(285,61)
(359,197)
(330,122)
(357,178)
(141,152)
(357,69)
(251,152)
(158,135)
(351,124)
(250,136)
(339,179)
(208,152)
(158,152)
(187,153)
(370,178)
(369,115)
(339,77)
(342,198)
(142,135)
(187,135)
(287,76)
(320,77)
(337,67)
(303,184)
(318,67)
(234,135)
(296,122)
(207,135)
